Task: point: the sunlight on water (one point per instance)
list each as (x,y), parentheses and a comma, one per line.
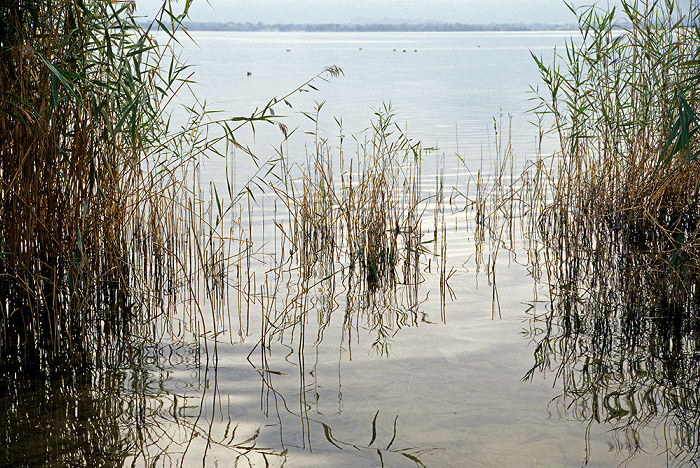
(373,310)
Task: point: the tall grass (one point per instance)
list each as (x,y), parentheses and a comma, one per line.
(111,249)
(94,212)
(624,104)
(352,251)
(617,239)
(77,108)
(352,225)
(108,228)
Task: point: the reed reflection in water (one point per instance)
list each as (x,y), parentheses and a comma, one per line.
(352,245)
(621,355)
(268,303)
(620,339)
(159,411)
(618,238)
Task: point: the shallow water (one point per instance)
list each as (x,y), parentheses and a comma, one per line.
(441,392)
(399,377)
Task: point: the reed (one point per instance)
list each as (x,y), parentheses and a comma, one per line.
(352,250)
(624,103)
(613,221)
(367,219)
(72,118)
(100,232)
(358,219)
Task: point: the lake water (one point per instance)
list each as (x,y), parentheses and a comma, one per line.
(446,90)
(445,386)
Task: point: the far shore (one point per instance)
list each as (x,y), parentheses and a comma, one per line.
(378,27)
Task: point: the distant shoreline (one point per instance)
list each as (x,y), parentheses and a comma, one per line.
(406,27)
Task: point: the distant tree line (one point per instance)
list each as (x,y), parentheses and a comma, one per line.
(405,27)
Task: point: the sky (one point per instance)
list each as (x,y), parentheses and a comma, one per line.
(375,11)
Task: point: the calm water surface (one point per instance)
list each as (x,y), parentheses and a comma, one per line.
(445,87)
(447,388)
(447,90)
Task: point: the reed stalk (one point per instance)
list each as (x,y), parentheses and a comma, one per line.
(624,103)
(615,236)
(99,229)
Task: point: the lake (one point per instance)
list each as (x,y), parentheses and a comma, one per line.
(446,89)
(307,371)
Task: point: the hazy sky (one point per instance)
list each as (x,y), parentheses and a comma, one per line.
(382,11)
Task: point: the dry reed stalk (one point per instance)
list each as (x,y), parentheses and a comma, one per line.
(359,230)
(613,225)
(63,206)
(100,232)
(626,182)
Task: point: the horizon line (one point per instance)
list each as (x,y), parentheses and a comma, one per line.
(374,27)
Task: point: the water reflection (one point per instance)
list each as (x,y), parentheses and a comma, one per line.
(158,411)
(173,404)
(302,388)
(621,337)
(350,259)
(60,422)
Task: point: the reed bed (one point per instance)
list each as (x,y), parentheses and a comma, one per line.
(359,222)
(114,251)
(352,250)
(625,185)
(90,189)
(69,118)
(615,236)
(615,221)
(115,257)
(102,235)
